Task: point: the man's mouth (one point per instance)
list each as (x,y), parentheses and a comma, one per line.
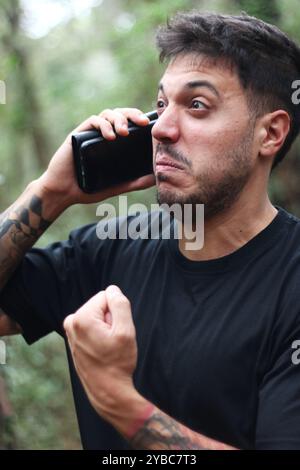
(167,164)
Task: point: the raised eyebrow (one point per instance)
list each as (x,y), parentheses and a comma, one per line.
(202,83)
(195,84)
(160,88)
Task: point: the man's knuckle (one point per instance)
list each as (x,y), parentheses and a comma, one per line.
(123,337)
(78,324)
(67,324)
(105,111)
(122,302)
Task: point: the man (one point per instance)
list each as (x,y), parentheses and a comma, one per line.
(201,356)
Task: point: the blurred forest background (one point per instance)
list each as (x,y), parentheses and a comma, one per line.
(63,60)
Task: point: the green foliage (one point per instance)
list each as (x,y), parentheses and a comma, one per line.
(267,10)
(40,392)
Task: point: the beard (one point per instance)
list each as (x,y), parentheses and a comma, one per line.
(216,193)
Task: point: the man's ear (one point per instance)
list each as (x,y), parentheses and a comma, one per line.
(274,127)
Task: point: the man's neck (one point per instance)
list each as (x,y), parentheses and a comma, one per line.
(230,230)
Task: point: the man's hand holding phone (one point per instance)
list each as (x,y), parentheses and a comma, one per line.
(60,178)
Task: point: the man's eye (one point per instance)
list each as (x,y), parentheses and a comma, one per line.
(197,104)
(160,104)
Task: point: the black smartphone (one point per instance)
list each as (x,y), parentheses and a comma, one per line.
(101,163)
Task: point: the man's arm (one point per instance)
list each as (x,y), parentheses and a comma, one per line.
(20,226)
(47,197)
(102,339)
(147,427)
(159,431)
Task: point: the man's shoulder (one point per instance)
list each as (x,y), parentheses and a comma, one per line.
(292,241)
(287,265)
(289,217)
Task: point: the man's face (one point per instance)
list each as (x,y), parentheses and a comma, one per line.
(205,129)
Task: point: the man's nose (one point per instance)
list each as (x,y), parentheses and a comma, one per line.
(166,128)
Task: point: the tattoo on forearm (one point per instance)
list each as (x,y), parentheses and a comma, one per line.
(160,431)
(20,226)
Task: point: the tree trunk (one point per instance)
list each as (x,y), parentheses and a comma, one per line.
(33,119)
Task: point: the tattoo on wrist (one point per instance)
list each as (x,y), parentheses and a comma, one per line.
(20,226)
(162,432)
(28,221)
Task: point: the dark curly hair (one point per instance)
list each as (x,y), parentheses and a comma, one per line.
(265,59)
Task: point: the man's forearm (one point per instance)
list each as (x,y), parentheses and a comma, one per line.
(147,427)
(22,224)
(160,431)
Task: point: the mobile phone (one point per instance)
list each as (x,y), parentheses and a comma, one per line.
(101,163)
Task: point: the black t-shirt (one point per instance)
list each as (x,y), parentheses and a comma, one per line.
(214,337)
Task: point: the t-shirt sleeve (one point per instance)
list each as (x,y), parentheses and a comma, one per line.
(51,283)
(278,423)
(278,417)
